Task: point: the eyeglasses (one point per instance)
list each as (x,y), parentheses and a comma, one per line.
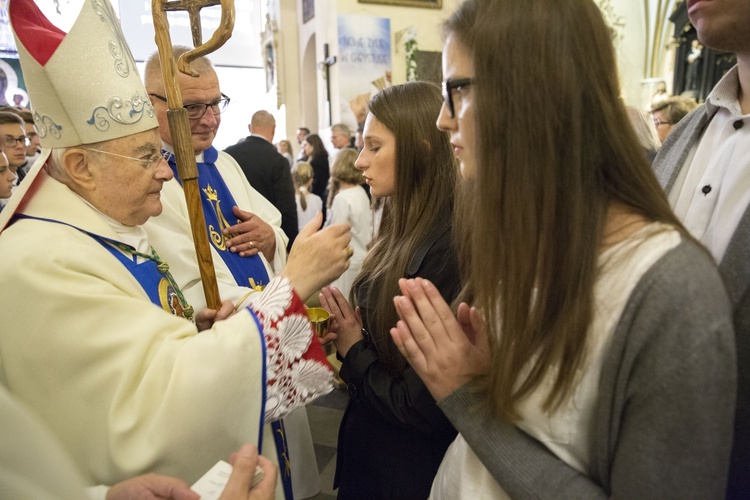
(148,162)
(449,86)
(197,110)
(658,122)
(10,142)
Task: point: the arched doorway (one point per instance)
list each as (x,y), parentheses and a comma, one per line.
(309,86)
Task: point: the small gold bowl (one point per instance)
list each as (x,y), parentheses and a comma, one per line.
(320,319)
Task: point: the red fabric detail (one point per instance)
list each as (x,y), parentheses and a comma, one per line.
(297,371)
(37,34)
(315,352)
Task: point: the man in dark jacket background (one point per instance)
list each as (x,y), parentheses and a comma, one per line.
(267,170)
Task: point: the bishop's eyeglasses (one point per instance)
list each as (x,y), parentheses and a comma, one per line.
(148,162)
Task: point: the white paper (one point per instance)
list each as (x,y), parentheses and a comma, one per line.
(212,484)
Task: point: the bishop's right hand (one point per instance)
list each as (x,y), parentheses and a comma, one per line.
(318,257)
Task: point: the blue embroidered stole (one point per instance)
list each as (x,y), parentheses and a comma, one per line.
(217,203)
(217,209)
(153,274)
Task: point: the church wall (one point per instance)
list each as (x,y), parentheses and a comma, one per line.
(323,28)
(638,26)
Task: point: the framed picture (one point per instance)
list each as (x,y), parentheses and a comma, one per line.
(429,66)
(427,4)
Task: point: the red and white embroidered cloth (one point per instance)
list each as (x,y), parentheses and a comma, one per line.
(296,367)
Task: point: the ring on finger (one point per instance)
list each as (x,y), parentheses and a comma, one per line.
(252,245)
(349,252)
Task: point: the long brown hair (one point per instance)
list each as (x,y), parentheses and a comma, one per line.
(554,151)
(425,174)
(318,148)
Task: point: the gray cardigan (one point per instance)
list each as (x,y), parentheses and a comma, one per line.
(735,270)
(662,422)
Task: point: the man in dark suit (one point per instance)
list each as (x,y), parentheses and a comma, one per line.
(266,170)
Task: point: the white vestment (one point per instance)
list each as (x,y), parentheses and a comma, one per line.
(127,387)
(32,463)
(170,234)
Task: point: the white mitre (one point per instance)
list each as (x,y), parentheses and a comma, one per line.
(83,86)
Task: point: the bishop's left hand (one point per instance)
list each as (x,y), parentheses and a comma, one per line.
(206,318)
(253,235)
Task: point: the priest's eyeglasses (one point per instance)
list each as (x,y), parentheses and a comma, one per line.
(147,162)
(197,110)
(450,87)
(10,142)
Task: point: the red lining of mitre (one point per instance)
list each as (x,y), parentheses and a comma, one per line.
(40,37)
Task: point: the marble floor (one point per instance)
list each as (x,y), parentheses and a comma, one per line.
(325,415)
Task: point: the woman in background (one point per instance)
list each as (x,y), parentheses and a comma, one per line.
(317,156)
(599,359)
(348,202)
(285,148)
(393,436)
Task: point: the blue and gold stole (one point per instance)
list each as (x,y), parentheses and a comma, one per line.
(217,203)
(217,209)
(152,274)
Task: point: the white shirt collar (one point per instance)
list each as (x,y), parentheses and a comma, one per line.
(135,236)
(725,94)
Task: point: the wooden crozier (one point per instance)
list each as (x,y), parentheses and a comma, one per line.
(179,126)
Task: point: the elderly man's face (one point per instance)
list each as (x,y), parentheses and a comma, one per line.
(201,90)
(128,190)
(339,140)
(12,137)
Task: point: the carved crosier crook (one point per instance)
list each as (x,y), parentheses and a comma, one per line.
(179,125)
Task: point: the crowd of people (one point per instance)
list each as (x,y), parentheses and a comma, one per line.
(543,308)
